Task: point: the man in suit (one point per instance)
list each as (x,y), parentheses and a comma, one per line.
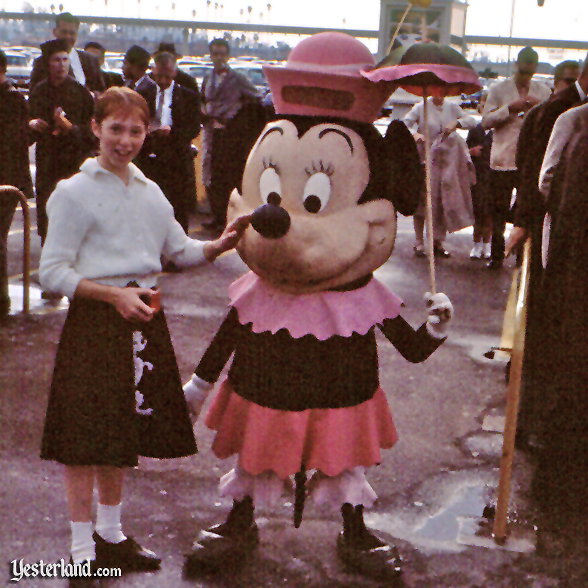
(166,156)
(84,68)
(224,93)
(507,104)
(111,78)
(14,167)
(135,66)
(182,78)
(61,110)
(528,222)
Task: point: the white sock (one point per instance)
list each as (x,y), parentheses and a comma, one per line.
(108,524)
(82,543)
(487,249)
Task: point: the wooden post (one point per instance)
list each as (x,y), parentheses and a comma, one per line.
(512,401)
(429,199)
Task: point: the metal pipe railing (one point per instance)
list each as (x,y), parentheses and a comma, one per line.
(6,192)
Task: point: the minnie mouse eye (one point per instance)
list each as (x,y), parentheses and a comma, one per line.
(270,186)
(317,192)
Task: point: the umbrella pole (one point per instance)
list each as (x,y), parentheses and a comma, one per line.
(429,200)
(400,23)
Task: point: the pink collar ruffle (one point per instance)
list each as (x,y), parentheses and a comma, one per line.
(322,314)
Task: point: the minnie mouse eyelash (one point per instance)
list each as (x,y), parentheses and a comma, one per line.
(269,163)
(320,167)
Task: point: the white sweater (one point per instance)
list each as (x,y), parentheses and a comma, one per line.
(507,126)
(109,232)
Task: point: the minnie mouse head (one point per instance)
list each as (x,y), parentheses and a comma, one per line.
(322,184)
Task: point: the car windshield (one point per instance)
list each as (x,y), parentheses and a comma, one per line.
(255,76)
(17,60)
(114,63)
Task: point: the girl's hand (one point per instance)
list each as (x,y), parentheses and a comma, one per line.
(129,305)
(228,239)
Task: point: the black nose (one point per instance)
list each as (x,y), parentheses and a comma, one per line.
(270,221)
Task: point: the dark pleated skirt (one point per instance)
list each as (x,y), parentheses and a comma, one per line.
(96,414)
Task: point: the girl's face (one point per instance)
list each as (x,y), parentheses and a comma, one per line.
(121,136)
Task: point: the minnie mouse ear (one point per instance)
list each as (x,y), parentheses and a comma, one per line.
(406,177)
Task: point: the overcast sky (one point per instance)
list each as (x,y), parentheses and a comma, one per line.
(558,19)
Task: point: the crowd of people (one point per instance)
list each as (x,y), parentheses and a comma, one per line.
(131,136)
(65,84)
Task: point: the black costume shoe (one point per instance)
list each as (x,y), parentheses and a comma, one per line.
(362,552)
(127,555)
(226,545)
(84,581)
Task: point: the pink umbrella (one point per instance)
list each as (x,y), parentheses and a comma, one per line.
(428,69)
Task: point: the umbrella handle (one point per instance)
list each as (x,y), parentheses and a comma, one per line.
(400,23)
(429,199)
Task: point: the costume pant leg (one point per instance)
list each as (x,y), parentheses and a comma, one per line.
(502,184)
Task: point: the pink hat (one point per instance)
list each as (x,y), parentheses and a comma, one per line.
(322,78)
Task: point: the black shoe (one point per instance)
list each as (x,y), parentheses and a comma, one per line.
(493,264)
(440,251)
(49,295)
(84,581)
(228,544)
(382,561)
(128,555)
(363,552)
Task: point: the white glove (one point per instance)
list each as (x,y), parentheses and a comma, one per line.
(440,312)
(195,392)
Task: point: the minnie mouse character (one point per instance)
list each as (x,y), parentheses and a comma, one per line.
(323,187)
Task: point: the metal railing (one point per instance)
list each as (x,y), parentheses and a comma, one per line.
(7,192)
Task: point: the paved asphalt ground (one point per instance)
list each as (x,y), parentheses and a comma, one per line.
(444,465)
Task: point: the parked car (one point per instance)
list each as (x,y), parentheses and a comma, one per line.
(18,70)
(254,73)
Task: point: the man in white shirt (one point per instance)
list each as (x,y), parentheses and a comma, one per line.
(166,156)
(84,68)
(505,108)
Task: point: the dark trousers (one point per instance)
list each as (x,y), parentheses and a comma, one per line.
(502,184)
(225,174)
(7,208)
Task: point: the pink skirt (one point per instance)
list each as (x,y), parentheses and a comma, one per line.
(330,440)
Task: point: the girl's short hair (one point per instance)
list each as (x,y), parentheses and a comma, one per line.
(120,98)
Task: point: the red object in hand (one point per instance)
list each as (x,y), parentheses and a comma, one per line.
(155,301)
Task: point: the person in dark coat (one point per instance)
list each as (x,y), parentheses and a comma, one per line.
(111,78)
(166,157)
(14,170)
(479,141)
(61,110)
(135,66)
(224,93)
(562,469)
(83,67)
(528,223)
(182,78)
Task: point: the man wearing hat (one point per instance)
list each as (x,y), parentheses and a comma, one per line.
(83,67)
(182,78)
(61,110)
(135,66)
